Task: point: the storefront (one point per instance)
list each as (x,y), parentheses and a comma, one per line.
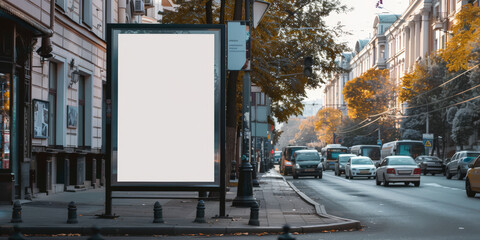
(18,35)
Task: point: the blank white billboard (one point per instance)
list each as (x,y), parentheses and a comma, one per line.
(166,108)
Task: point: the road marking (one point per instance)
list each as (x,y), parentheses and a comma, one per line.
(441,186)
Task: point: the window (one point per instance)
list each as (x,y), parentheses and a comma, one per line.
(81,112)
(60,3)
(52,100)
(87,12)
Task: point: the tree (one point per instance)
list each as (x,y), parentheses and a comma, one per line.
(327,123)
(289,31)
(461,51)
(369,94)
(306,132)
(462,127)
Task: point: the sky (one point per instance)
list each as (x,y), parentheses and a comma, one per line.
(359,22)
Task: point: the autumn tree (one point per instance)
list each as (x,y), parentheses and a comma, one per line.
(327,123)
(463,49)
(369,94)
(306,133)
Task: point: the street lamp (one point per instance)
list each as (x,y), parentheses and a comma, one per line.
(259,9)
(244,196)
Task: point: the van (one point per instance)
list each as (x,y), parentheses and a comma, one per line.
(286,161)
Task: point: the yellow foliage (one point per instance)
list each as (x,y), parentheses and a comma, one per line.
(368,94)
(327,122)
(466,37)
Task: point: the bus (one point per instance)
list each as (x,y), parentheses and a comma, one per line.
(371,151)
(412,148)
(330,154)
(286,160)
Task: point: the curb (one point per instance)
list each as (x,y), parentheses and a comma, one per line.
(321,212)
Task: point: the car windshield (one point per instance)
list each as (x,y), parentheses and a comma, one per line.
(468,159)
(474,155)
(310,156)
(432,159)
(362,161)
(343,159)
(401,161)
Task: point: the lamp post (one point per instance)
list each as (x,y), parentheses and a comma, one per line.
(244,196)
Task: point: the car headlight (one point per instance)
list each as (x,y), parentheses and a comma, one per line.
(372,169)
(320,166)
(297,166)
(354,169)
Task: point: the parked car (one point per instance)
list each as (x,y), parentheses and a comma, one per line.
(398,169)
(360,167)
(472,182)
(307,163)
(340,163)
(458,164)
(430,164)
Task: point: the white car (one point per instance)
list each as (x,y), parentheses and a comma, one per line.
(360,167)
(398,169)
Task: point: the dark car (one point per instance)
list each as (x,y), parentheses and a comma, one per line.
(340,163)
(430,164)
(307,163)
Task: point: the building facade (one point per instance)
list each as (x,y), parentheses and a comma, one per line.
(333,92)
(400,41)
(53,78)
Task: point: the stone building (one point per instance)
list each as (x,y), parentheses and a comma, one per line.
(52,79)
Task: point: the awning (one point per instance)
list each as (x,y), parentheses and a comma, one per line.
(9,12)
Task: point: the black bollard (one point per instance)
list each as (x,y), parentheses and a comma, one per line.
(254,215)
(286,235)
(244,196)
(17,235)
(200,212)
(96,234)
(254,175)
(233,173)
(72,213)
(157,213)
(17,212)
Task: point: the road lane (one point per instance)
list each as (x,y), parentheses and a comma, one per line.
(439,207)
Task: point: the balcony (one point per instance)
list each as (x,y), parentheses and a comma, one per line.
(440,21)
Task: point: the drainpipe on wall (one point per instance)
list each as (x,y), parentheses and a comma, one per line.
(45,50)
(122,8)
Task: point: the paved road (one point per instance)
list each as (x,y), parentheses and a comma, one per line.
(438,209)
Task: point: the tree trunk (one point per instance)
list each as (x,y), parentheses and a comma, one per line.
(231,118)
(208,10)
(222,12)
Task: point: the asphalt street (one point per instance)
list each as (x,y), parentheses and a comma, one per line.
(438,209)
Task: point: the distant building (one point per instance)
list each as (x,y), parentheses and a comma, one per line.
(333,91)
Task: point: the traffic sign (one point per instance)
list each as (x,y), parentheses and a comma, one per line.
(428,143)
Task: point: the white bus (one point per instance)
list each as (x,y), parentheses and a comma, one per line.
(412,148)
(371,151)
(330,154)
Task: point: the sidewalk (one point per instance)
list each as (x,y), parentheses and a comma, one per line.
(280,204)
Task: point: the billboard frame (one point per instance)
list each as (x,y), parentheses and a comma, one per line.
(111,148)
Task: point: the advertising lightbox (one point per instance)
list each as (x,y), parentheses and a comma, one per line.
(167,98)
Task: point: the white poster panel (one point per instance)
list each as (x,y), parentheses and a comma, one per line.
(166,108)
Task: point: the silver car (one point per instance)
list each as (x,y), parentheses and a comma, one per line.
(360,167)
(398,169)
